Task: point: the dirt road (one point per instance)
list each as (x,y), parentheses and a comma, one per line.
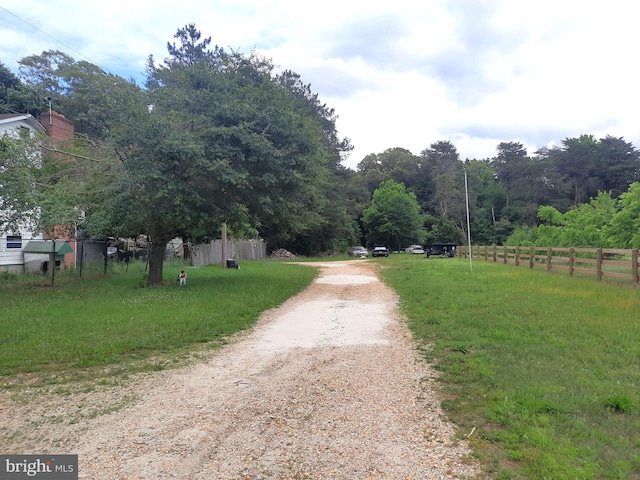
(328,386)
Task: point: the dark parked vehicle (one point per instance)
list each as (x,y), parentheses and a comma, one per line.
(380,252)
(441,249)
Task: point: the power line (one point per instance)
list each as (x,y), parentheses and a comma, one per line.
(50,36)
(60,42)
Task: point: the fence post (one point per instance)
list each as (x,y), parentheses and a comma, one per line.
(504,257)
(531,255)
(224,245)
(549,259)
(495,254)
(517,259)
(634,265)
(599,263)
(571,253)
(52,256)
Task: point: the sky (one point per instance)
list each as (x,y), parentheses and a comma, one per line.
(398,74)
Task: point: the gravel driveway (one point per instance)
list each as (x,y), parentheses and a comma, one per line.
(327,386)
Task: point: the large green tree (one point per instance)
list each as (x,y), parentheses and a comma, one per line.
(19,162)
(624,229)
(39,190)
(15,97)
(583,226)
(577,161)
(224,141)
(334,228)
(81,91)
(511,167)
(487,197)
(442,161)
(402,166)
(43,72)
(394,217)
(619,165)
(582,166)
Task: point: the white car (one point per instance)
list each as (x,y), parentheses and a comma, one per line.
(359,251)
(417,249)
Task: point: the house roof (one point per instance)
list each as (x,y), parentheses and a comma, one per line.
(46,246)
(25,119)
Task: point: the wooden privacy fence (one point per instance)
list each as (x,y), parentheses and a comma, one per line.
(601,262)
(211,253)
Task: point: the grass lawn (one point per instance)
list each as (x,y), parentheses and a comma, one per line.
(100,320)
(545,367)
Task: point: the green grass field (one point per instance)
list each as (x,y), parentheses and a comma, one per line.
(543,369)
(103,320)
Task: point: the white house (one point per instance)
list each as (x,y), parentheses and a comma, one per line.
(13,243)
(10,123)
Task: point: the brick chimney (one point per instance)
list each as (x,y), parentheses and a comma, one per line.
(59,128)
(61,131)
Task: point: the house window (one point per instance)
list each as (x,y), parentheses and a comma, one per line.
(14,241)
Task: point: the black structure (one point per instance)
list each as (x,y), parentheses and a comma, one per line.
(441,249)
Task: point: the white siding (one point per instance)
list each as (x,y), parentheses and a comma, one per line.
(12,259)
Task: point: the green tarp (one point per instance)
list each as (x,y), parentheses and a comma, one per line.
(46,246)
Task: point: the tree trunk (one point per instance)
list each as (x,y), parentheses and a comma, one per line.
(156,260)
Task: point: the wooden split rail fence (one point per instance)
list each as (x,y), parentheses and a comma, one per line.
(601,262)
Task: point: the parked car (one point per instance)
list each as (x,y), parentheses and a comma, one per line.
(380,252)
(359,251)
(417,249)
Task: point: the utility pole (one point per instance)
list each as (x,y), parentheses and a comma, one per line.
(53,262)
(466,192)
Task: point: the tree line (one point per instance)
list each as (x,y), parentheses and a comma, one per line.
(507,193)
(216,136)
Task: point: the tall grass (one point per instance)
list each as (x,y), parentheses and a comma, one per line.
(545,367)
(105,319)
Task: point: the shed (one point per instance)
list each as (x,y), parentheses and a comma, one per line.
(46,247)
(441,249)
(37,252)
